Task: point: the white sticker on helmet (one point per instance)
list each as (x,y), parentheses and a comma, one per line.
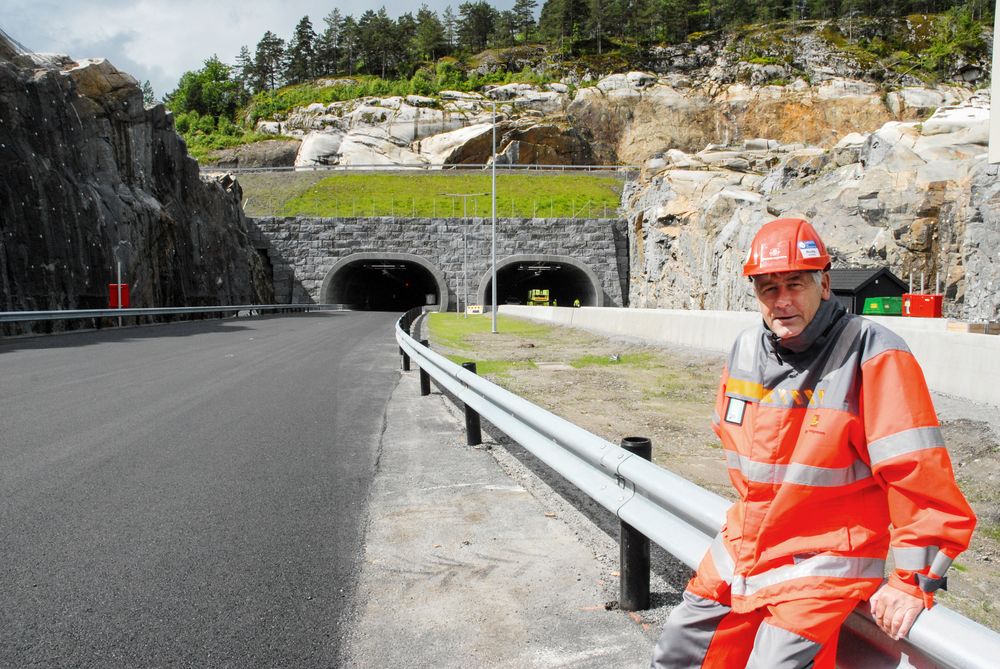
(808,249)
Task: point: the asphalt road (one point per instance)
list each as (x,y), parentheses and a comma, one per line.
(190,494)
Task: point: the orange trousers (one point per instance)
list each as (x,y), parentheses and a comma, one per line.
(704,633)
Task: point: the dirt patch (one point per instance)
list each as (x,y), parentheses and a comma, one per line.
(616,388)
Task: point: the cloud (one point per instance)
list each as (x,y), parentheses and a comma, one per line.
(159,40)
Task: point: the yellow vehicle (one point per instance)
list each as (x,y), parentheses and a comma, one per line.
(538,297)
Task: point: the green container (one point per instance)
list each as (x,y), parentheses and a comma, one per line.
(883,306)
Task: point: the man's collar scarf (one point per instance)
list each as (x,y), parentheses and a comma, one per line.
(829,312)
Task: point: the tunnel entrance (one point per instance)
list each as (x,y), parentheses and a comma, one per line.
(383,282)
(566,279)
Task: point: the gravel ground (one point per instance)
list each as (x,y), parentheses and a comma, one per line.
(631,388)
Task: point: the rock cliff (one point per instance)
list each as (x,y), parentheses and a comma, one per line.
(918,197)
(793,82)
(85,169)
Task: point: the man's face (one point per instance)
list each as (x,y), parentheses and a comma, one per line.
(789,300)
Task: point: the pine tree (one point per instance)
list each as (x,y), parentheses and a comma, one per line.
(268,63)
(505,29)
(377,40)
(450,25)
(329,44)
(243,69)
(301,53)
(429,39)
(562,19)
(524,11)
(148,96)
(350,44)
(475,24)
(402,54)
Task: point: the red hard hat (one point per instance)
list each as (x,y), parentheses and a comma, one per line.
(786,245)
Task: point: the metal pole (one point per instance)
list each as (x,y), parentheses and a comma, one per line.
(425,378)
(493,245)
(465,258)
(118,262)
(634,546)
(473,433)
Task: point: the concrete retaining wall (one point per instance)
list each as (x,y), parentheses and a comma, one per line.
(954,363)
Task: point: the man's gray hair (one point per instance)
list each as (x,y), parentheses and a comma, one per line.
(816,274)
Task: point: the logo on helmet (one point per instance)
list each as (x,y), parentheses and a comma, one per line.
(808,249)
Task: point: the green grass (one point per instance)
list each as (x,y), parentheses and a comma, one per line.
(990,530)
(494,367)
(427,81)
(200,145)
(426,195)
(453,330)
(628,360)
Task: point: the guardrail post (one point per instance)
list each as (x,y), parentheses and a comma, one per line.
(406,359)
(425,378)
(473,434)
(634,586)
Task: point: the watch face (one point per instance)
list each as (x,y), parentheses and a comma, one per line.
(735,410)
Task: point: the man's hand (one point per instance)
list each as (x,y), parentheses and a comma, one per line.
(894,610)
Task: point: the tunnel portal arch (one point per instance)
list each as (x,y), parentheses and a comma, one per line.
(385,282)
(566,278)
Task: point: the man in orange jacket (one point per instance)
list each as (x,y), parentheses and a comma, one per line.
(835,452)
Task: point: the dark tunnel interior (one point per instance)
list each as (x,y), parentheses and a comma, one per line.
(384,285)
(564,282)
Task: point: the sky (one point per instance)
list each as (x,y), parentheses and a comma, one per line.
(159,40)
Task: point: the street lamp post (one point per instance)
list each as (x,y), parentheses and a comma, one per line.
(465,240)
(493,245)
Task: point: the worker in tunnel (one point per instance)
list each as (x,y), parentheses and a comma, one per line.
(834,449)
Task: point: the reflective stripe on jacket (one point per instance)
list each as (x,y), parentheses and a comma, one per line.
(837,457)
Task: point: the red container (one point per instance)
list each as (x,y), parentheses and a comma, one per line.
(922,306)
(113,296)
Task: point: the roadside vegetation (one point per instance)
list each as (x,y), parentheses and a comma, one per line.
(456,335)
(347,57)
(433,195)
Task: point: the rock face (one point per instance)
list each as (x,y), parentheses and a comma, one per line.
(794,82)
(434,132)
(918,197)
(84,168)
(629,120)
(269,153)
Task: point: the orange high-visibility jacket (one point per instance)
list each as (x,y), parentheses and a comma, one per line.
(837,457)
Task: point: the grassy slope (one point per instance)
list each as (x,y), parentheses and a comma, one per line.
(322,194)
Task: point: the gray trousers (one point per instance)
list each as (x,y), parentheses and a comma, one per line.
(704,633)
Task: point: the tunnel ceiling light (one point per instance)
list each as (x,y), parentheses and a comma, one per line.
(385,266)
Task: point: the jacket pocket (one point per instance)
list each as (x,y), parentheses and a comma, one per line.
(836,540)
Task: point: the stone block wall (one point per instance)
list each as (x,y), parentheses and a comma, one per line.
(302,251)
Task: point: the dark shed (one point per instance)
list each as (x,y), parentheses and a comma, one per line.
(854,285)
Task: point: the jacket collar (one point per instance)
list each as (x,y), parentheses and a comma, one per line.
(829,312)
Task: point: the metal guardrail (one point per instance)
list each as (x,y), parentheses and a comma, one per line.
(682,517)
(72,314)
(424,168)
